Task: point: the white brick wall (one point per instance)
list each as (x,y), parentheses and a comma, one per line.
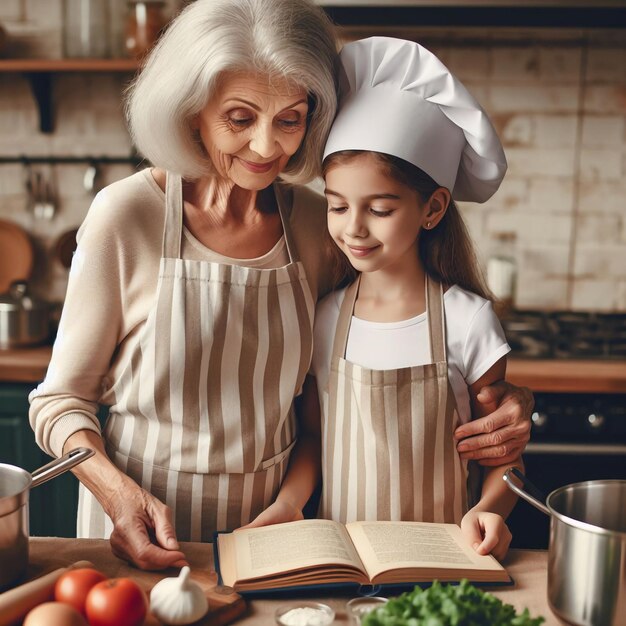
(10,10)
(601,293)
(560,110)
(556,131)
(548,98)
(551,195)
(469,63)
(594,260)
(548,162)
(604,99)
(606,65)
(603,131)
(557,98)
(621,296)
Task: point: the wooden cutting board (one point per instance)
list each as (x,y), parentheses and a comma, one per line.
(225,606)
(16,254)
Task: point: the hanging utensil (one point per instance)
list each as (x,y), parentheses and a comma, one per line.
(91,178)
(28,184)
(48,209)
(36,186)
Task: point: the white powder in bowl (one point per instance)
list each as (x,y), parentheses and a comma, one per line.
(305,616)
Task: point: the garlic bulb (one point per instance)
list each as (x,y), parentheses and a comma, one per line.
(178,600)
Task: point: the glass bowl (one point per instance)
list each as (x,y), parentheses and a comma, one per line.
(305,614)
(358,607)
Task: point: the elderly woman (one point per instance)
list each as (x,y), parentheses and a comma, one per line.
(190,303)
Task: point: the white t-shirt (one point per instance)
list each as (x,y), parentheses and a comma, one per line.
(474,339)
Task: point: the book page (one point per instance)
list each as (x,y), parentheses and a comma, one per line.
(286,547)
(384,546)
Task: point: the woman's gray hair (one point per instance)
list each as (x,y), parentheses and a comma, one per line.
(291,39)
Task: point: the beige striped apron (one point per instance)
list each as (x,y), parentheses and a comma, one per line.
(389,452)
(203,415)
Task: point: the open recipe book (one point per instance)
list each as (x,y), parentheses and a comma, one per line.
(313,553)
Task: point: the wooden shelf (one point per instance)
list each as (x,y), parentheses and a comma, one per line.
(41,71)
(68,65)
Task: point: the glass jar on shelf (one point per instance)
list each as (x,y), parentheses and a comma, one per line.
(502,272)
(144,22)
(86,28)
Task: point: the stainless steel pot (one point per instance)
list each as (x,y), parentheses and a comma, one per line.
(15,486)
(24,319)
(587,551)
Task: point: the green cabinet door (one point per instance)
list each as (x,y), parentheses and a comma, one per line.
(52,505)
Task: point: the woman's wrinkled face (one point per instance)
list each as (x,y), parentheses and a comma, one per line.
(251,127)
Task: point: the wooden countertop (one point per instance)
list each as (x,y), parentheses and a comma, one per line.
(24,365)
(564,375)
(527,567)
(30,365)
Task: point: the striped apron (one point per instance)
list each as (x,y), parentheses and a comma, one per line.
(203,414)
(388,447)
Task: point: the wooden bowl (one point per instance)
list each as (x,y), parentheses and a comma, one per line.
(16,254)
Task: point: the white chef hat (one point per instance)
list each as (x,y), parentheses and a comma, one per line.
(398,98)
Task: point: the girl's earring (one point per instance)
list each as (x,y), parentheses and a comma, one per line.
(427,224)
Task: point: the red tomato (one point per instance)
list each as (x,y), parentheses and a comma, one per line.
(73,586)
(116,602)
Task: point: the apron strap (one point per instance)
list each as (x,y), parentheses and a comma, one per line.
(436,320)
(172,233)
(434,315)
(345,317)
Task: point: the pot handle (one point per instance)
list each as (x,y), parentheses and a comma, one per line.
(60,465)
(535,498)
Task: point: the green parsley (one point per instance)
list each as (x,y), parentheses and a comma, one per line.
(448,605)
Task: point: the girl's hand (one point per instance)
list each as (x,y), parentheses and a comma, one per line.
(277,513)
(486,533)
(143,532)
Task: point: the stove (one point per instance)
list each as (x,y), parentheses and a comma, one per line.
(566,335)
(575,436)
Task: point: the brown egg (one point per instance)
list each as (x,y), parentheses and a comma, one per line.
(54,614)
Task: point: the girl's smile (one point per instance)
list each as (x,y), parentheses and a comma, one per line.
(362,251)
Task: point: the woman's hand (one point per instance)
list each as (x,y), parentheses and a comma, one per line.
(487,533)
(277,513)
(142,526)
(502,434)
(142,530)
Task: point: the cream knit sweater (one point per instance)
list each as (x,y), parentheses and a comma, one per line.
(112,287)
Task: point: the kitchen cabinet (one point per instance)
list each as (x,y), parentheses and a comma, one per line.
(53,504)
(477,13)
(49,502)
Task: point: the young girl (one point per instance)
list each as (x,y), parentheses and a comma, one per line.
(401,353)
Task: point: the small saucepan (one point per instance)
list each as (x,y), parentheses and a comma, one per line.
(24,318)
(15,486)
(587,551)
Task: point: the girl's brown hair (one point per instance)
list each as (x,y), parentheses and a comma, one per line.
(446,251)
